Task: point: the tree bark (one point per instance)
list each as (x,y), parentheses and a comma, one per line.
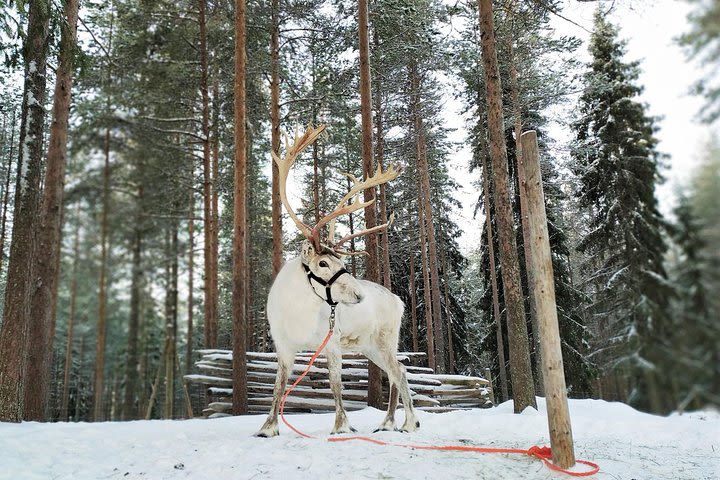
(493,281)
(98,408)
(277,248)
(215,226)
(15,329)
(6,190)
(379,160)
(171,323)
(191,272)
(412,293)
(517,122)
(372,271)
(240,242)
(520,370)
(71,329)
(49,236)
(99,378)
(130,403)
(446,298)
(209,305)
(428,223)
(426,288)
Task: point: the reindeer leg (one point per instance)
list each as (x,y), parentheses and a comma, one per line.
(386,359)
(389,423)
(334,359)
(270,427)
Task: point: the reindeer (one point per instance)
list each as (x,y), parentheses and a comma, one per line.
(313,290)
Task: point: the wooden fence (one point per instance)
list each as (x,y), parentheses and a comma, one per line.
(430,391)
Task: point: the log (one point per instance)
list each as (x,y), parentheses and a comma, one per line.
(543,287)
(429,391)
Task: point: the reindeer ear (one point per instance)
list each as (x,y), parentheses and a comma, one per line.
(307,251)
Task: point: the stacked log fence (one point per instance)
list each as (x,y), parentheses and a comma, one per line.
(430,391)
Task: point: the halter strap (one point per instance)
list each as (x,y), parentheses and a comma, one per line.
(325,283)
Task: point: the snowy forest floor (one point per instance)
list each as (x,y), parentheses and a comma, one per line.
(627,444)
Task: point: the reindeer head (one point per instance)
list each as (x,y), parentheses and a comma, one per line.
(327,275)
(324,257)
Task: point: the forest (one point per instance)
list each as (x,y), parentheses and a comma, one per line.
(141,220)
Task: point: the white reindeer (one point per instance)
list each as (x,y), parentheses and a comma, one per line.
(308,288)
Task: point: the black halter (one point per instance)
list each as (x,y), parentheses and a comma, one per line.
(325,283)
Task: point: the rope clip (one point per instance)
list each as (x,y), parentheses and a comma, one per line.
(332,317)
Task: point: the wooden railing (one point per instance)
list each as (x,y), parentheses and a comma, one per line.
(430,391)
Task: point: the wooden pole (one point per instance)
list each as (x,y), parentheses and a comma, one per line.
(543,287)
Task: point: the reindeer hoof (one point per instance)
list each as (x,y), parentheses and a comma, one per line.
(407,428)
(386,426)
(347,429)
(267,433)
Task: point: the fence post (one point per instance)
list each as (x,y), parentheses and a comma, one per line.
(543,287)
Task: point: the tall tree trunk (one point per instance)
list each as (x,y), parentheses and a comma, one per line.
(171,325)
(379,161)
(48,237)
(277,247)
(98,413)
(520,370)
(517,123)
(428,224)
(130,403)
(372,272)
(14,330)
(426,288)
(209,310)
(215,202)
(446,298)
(99,380)
(412,292)
(240,236)
(6,190)
(143,355)
(156,383)
(249,273)
(71,328)
(493,278)
(191,272)
(78,387)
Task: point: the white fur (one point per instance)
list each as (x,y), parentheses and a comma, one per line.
(368,320)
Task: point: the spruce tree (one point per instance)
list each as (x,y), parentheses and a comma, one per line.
(617,165)
(696,365)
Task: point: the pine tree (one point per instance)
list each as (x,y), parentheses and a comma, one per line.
(617,166)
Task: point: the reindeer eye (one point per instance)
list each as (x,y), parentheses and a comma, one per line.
(323,264)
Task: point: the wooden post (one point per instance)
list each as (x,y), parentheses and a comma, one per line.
(544,294)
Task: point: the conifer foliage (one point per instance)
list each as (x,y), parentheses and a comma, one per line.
(617,167)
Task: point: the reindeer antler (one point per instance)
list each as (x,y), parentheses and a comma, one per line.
(350,202)
(380,177)
(284,165)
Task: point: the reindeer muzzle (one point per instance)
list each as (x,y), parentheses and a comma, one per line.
(325,283)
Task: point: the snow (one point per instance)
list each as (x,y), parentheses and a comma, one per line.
(625,443)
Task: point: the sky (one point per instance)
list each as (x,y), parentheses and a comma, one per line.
(650,27)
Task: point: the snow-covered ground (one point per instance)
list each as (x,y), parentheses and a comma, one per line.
(625,443)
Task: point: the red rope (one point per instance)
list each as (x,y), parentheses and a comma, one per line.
(541,453)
